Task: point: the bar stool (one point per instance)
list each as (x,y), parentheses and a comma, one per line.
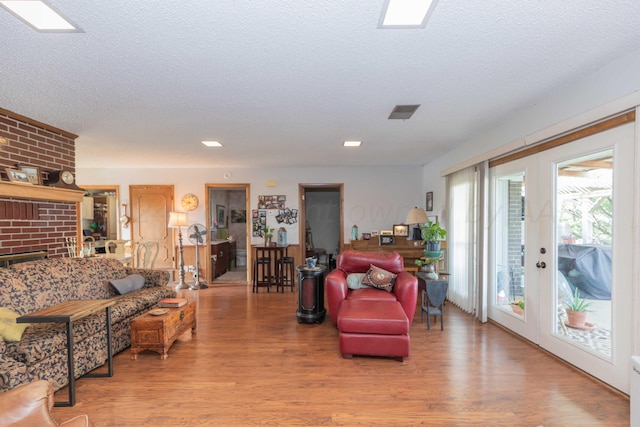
(286,272)
(261,270)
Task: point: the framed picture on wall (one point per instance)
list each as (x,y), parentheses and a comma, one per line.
(429,203)
(220,216)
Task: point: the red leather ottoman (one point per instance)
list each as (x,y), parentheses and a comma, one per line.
(373,328)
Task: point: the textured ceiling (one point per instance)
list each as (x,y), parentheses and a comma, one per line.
(284,82)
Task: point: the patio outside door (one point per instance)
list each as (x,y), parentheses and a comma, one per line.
(563,224)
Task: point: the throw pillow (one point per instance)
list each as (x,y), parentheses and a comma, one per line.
(354,281)
(131,283)
(379,278)
(9,329)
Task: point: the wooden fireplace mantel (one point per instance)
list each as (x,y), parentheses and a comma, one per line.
(39,192)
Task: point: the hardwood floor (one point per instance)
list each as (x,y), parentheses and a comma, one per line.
(251,363)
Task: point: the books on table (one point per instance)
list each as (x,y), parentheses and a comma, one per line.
(172,302)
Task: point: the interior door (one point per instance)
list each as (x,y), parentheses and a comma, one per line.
(562,224)
(150,208)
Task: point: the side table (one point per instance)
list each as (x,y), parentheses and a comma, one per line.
(311,294)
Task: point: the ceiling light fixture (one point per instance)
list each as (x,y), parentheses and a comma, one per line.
(212,143)
(352,143)
(406,13)
(40,16)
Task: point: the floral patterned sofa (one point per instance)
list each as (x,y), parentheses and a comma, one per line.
(41,351)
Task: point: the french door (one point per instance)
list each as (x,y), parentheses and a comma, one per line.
(561,229)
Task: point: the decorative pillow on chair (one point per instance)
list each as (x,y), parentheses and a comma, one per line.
(9,329)
(379,278)
(132,282)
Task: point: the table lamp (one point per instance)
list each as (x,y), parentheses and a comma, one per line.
(179,220)
(416,216)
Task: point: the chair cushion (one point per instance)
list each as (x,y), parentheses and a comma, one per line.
(371,294)
(373,317)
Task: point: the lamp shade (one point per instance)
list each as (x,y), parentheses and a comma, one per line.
(177,220)
(416,216)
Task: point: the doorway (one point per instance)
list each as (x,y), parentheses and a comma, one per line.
(229,233)
(321,220)
(561,230)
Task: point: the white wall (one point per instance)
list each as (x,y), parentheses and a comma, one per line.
(375,198)
(617,80)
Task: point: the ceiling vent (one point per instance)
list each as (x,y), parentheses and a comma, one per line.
(403,112)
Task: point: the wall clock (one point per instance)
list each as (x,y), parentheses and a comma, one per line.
(189,202)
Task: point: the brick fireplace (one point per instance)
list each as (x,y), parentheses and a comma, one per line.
(35,217)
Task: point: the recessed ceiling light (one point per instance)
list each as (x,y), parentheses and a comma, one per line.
(212,143)
(39,15)
(352,143)
(406,13)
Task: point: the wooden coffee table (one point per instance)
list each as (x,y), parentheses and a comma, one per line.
(158,332)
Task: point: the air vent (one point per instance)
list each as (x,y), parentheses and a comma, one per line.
(403,112)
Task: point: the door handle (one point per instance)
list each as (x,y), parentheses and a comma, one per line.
(540,264)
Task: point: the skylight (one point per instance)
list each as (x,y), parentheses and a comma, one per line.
(406,13)
(39,15)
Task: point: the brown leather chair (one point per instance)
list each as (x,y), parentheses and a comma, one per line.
(30,405)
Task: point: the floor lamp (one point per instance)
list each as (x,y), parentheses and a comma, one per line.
(179,220)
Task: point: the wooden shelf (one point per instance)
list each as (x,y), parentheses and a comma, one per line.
(39,192)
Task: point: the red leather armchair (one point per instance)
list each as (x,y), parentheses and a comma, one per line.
(372,321)
(30,405)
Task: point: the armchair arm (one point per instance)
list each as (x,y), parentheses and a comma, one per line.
(30,405)
(406,291)
(336,288)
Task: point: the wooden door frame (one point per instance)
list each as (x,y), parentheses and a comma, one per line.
(247,194)
(302,214)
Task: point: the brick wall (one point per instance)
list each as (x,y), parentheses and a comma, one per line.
(30,225)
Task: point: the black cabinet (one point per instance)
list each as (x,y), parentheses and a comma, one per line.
(311,294)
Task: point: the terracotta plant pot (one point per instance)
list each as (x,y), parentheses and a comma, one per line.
(576,318)
(517,310)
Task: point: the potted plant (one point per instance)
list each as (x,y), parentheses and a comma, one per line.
(428,265)
(432,233)
(268,235)
(518,307)
(576,309)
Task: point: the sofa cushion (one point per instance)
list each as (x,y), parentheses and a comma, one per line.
(373,317)
(132,282)
(9,329)
(379,278)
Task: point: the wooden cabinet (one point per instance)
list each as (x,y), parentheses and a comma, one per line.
(220,258)
(407,248)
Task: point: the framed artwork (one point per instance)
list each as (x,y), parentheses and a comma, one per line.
(386,232)
(443,264)
(366,236)
(432,218)
(400,230)
(238,216)
(16,175)
(386,240)
(220,214)
(33,173)
(429,204)
(374,233)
